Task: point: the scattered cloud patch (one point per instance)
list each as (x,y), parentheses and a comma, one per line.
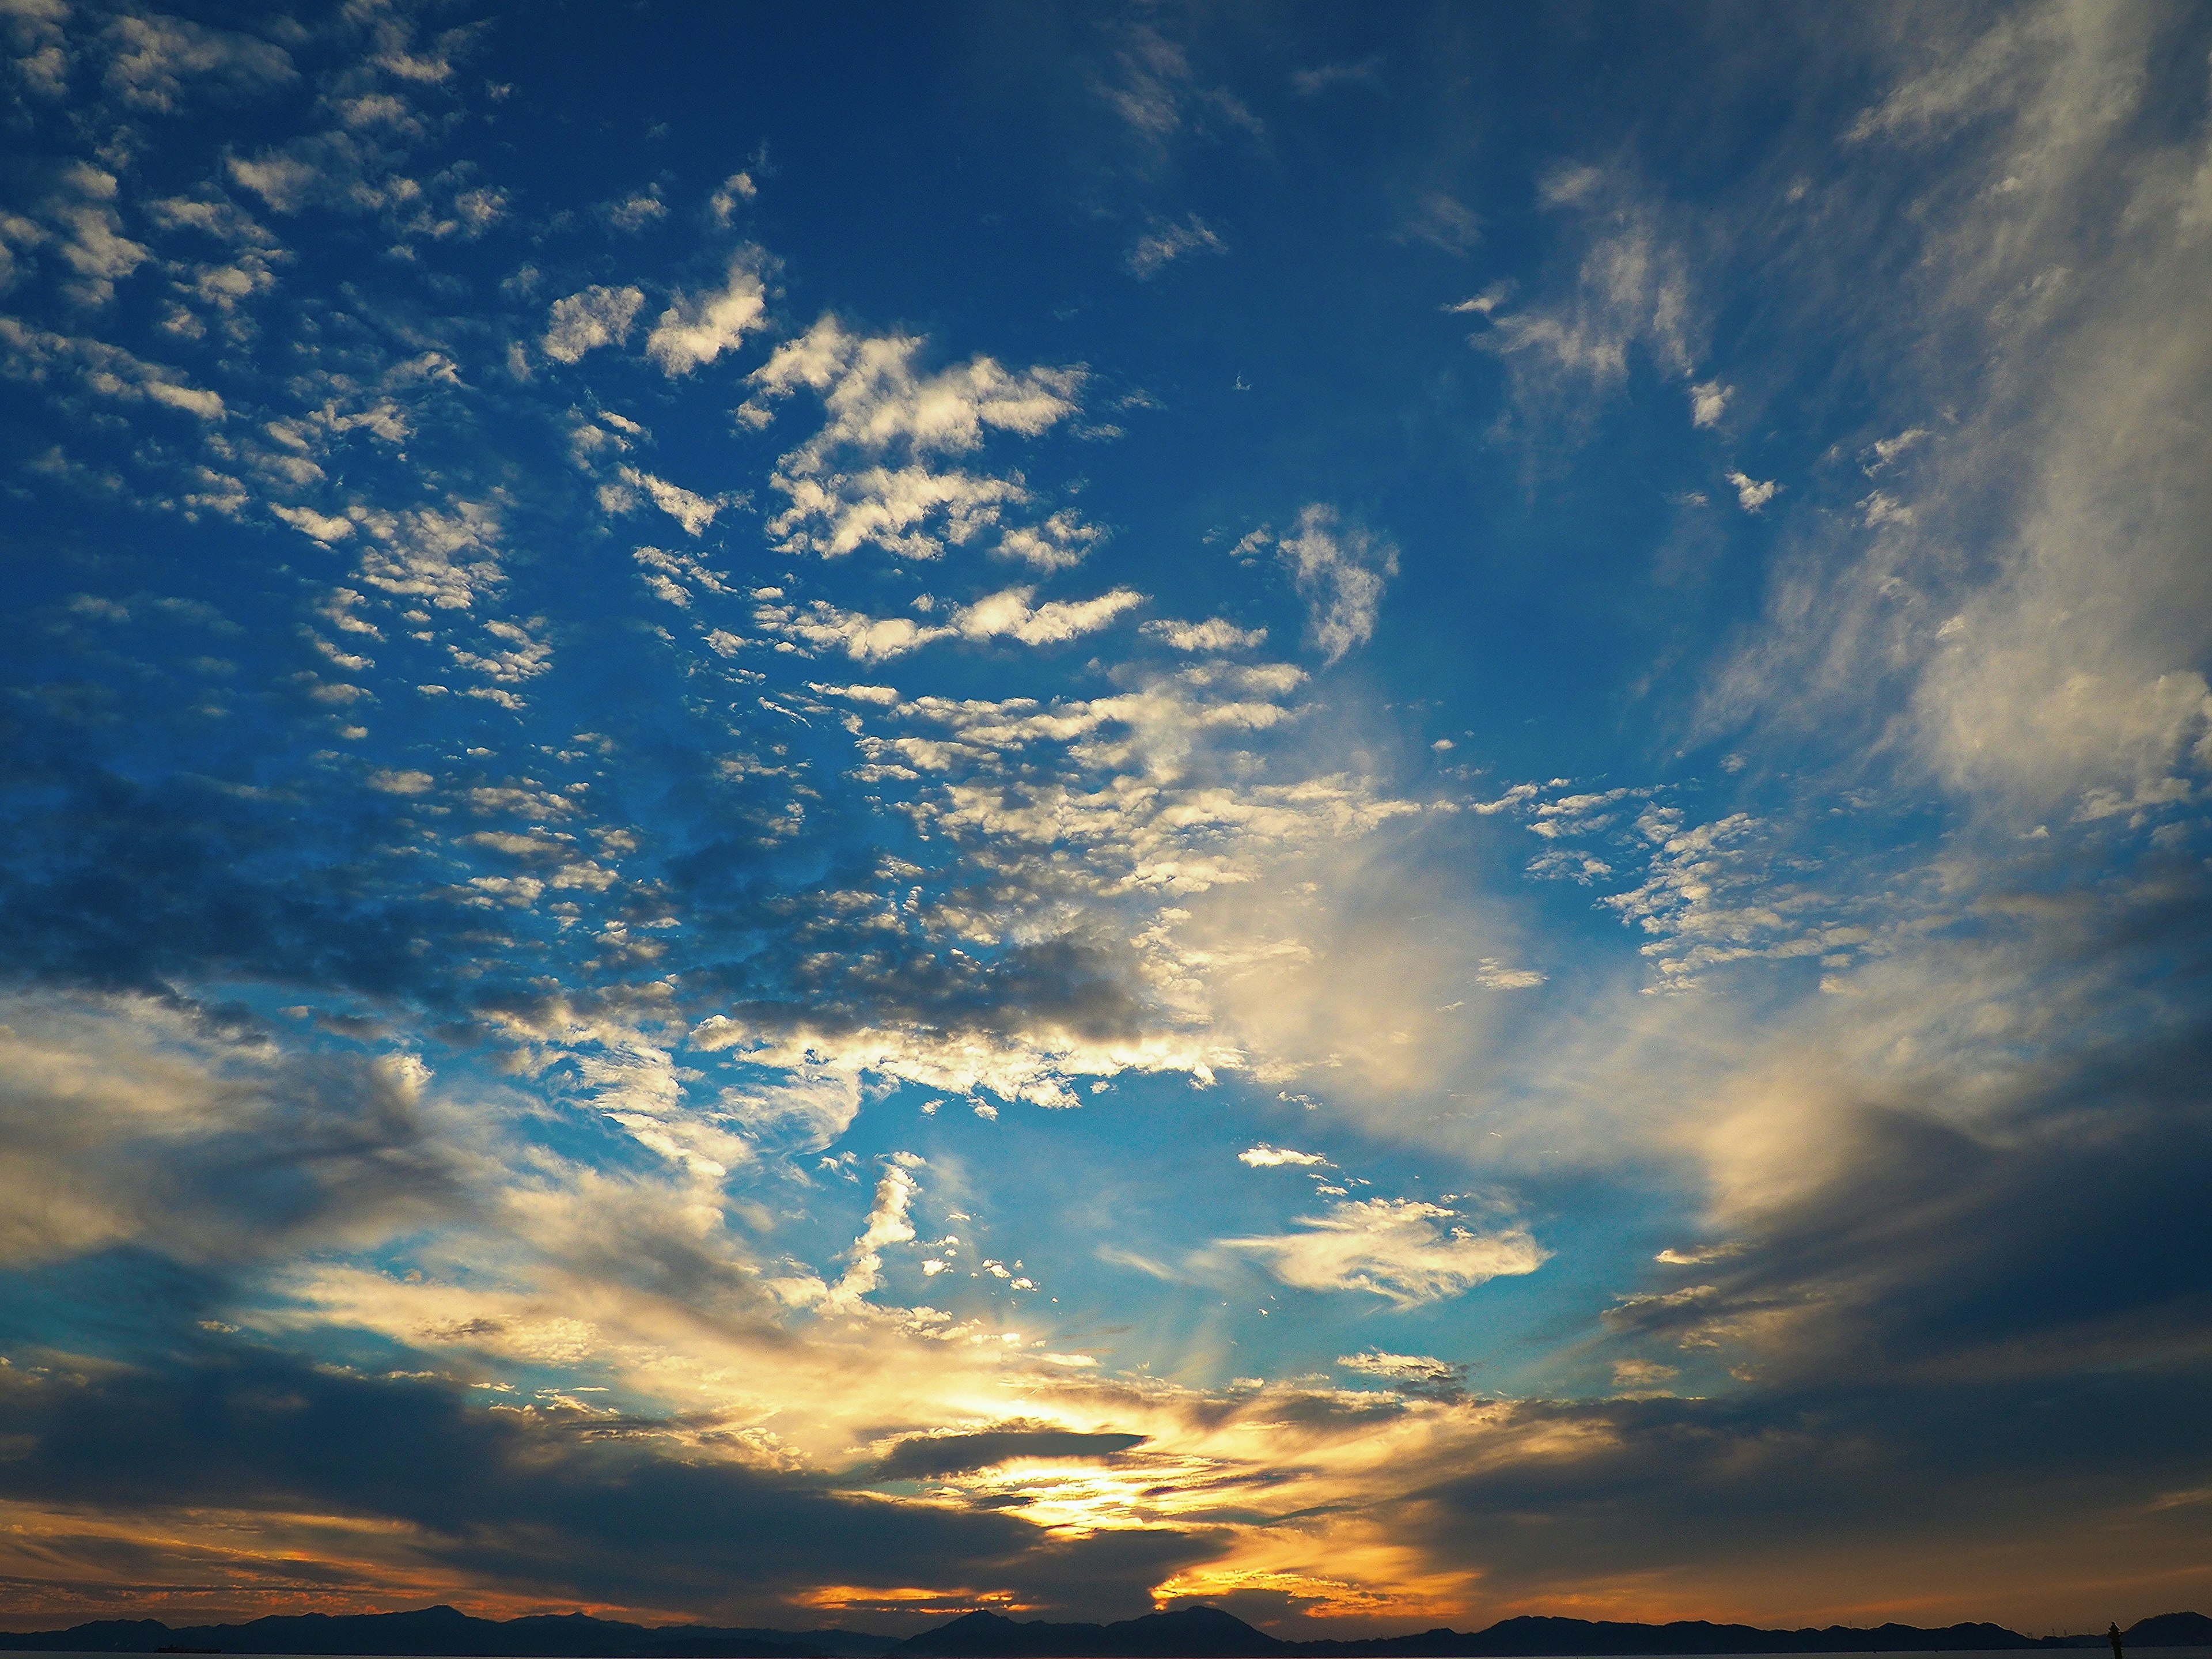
(586,321)
(1407,1252)
(1340,567)
(1215,633)
(1751,494)
(1163,242)
(1264,1157)
(698,328)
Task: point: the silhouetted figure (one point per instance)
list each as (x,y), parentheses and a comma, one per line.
(2113,1636)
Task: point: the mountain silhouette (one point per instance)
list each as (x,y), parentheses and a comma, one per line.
(449,1632)
(1188,1634)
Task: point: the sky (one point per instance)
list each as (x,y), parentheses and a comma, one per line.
(1381,814)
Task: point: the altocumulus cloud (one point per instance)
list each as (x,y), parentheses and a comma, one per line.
(672,851)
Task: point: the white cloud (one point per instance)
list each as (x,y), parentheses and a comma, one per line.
(321,526)
(1322,77)
(1158,96)
(1883,451)
(152,56)
(1443,222)
(1751,494)
(876,398)
(694,511)
(1416,1373)
(1009,615)
(1698,1256)
(845,491)
(1709,400)
(449,557)
(636,211)
(41,43)
(283,181)
(1632,290)
(698,328)
(1498,977)
(93,244)
(1165,242)
(1340,569)
(1264,1157)
(1214,634)
(723,202)
(1482,304)
(667,572)
(1059,542)
(584,322)
(808,1109)
(1396,1248)
(911,512)
(28,352)
(888,1224)
(859,635)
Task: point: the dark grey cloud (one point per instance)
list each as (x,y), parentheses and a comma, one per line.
(1777,1481)
(539,1501)
(144,1122)
(1994,1306)
(957,1454)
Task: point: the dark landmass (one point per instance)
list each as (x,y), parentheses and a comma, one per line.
(1206,1633)
(1192,1633)
(446,1632)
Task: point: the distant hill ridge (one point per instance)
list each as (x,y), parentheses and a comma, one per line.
(1190,1633)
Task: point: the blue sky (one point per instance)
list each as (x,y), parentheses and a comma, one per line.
(1419,787)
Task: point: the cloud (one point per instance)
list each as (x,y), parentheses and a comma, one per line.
(698,328)
(1752,495)
(909,512)
(1327,77)
(859,636)
(809,1106)
(1060,543)
(1709,400)
(1215,633)
(29,353)
(558,1505)
(1008,614)
(1443,222)
(695,513)
(723,202)
(448,556)
(1395,1249)
(864,477)
(1340,567)
(151,57)
(1631,291)
(1498,977)
(1413,1374)
(889,1224)
(960,1454)
(1264,1157)
(1163,242)
(1157,94)
(125,1124)
(586,321)
(876,400)
(636,211)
